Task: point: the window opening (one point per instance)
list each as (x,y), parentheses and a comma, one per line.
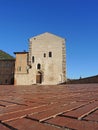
(33,59)
(6,81)
(44,54)
(38,66)
(50,54)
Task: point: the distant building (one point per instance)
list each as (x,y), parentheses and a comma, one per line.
(45,63)
(7,66)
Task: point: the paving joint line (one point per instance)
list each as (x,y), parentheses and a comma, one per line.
(86,114)
(58,126)
(31,108)
(71,117)
(8,126)
(12,119)
(90,120)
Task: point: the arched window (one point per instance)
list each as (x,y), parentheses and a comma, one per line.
(50,54)
(38,66)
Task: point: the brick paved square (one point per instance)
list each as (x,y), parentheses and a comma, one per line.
(49,107)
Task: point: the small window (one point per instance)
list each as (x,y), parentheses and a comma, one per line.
(19,68)
(44,54)
(33,59)
(50,54)
(38,66)
(6,81)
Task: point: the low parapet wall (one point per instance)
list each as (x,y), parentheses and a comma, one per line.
(93,79)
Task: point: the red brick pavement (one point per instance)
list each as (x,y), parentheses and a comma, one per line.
(26,124)
(92,116)
(83,111)
(73,123)
(61,107)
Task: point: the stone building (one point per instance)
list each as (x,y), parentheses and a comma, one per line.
(7,66)
(45,63)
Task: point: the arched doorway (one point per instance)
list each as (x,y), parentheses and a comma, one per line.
(39,77)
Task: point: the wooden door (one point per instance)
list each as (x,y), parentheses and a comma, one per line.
(39,78)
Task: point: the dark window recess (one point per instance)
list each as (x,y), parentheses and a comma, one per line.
(6,81)
(50,54)
(20,68)
(44,54)
(38,66)
(33,59)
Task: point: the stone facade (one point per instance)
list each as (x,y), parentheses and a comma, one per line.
(7,65)
(45,63)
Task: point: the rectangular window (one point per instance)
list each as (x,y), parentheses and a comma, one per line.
(44,54)
(50,54)
(20,68)
(33,59)
(6,81)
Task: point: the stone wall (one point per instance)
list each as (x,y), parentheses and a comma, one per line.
(7,71)
(92,79)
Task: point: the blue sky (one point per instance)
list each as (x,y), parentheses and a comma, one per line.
(75,20)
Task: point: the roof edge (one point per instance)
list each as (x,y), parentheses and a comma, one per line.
(24,52)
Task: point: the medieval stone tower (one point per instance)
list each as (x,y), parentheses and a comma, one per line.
(45,63)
